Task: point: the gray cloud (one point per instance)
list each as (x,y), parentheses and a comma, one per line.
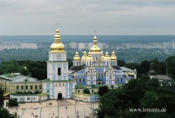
(84,16)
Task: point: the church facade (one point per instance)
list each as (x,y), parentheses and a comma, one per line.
(93,68)
(97,68)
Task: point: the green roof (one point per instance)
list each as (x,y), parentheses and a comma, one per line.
(48,80)
(17,77)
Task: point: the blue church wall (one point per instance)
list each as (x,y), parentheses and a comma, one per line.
(53,89)
(66,89)
(101,76)
(71,88)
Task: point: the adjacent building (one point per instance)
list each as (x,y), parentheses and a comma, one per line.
(23,88)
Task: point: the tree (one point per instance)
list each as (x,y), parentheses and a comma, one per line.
(36,69)
(5,114)
(1,97)
(170,64)
(121,63)
(102,90)
(86,91)
(144,67)
(138,93)
(13,102)
(158,67)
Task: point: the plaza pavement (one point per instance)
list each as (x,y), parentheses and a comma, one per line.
(68,108)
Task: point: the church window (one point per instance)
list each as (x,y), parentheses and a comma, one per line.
(31,87)
(59,71)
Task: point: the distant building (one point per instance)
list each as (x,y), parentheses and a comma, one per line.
(19,86)
(81,46)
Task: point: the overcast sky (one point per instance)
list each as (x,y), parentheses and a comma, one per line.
(25,17)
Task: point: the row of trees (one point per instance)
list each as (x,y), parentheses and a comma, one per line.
(36,69)
(129,100)
(160,67)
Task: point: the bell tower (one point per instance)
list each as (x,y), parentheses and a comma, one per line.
(57,66)
(58,85)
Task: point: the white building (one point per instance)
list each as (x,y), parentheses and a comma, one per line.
(58,85)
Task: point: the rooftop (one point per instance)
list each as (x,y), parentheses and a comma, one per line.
(160,77)
(17,77)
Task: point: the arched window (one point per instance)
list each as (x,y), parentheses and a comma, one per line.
(59,71)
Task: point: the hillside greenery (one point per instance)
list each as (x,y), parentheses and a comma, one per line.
(131,100)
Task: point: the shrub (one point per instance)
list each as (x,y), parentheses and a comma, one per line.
(13,102)
(86,91)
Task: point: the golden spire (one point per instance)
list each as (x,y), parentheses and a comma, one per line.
(77,57)
(95,49)
(57,36)
(57,46)
(83,58)
(89,57)
(102,55)
(95,39)
(113,57)
(107,57)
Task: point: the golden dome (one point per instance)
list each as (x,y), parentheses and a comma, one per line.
(113,57)
(95,49)
(89,57)
(57,46)
(107,57)
(102,55)
(84,57)
(77,57)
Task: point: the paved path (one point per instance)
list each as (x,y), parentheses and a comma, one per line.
(55,109)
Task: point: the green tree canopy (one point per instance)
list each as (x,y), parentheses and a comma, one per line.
(170,66)
(137,94)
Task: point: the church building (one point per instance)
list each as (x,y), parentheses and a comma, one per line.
(92,69)
(97,68)
(58,85)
